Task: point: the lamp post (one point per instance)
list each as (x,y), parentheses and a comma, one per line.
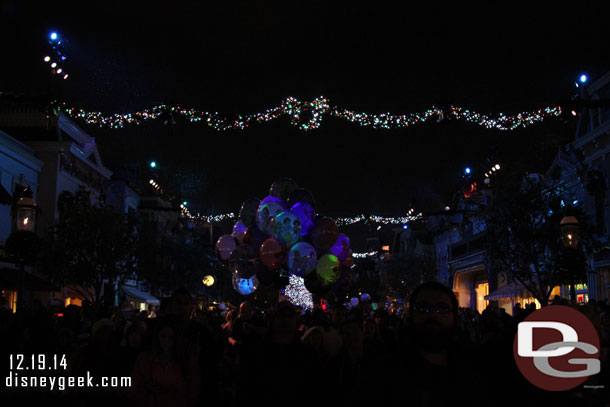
(25,212)
(570,245)
(23,243)
(570,232)
(208,281)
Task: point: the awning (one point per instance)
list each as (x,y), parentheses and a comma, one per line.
(508,291)
(140,296)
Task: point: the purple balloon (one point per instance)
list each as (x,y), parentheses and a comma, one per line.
(306,215)
(239,230)
(224,246)
(341,248)
(273,199)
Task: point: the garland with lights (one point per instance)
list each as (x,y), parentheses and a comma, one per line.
(308,116)
(364,255)
(340,221)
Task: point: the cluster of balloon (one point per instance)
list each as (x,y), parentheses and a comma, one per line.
(282,235)
(354,301)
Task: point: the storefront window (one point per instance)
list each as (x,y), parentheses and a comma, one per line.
(582,298)
(525,302)
(73,301)
(10,297)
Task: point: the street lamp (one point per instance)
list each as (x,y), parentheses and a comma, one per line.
(23,244)
(208,281)
(570,232)
(25,212)
(571,254)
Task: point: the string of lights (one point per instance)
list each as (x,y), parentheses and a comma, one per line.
(308,116)
(364,255)
(378,219)
(215,218)
(340,221)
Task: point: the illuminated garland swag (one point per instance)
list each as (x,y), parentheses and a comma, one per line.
(403,220)
(308,116)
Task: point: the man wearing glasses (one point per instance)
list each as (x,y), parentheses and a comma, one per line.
(433,370)
(433,321)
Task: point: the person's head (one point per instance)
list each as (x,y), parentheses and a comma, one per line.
(284,321)
(163,336)
(101,333)
(182,303)
(433,316)
(65,337)
(353,338)
(339,315)
(313,338)
(134,337)
(605,319)
(165,306)
(369,327)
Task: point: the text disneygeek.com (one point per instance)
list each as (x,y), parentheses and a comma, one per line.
(27,372)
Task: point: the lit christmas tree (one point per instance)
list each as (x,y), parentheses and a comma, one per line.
(297,293)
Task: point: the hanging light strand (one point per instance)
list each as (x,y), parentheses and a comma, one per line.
(308,116)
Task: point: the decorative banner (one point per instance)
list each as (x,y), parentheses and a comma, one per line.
(308,116)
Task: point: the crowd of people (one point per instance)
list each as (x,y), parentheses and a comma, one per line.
(433,354)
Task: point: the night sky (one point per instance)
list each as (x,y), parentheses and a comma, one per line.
(247,56)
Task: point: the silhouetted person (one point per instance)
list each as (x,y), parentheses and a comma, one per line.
(432,369)
(160,377)
(282,367)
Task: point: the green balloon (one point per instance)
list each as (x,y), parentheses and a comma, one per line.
(328,269)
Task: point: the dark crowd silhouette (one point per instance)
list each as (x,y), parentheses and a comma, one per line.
(434,353)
